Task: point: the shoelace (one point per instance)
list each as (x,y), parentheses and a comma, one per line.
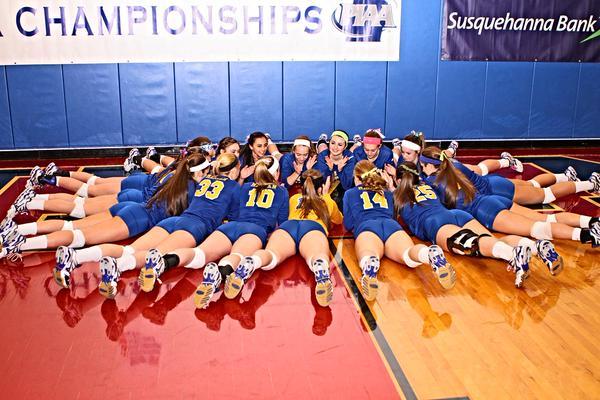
(321,276)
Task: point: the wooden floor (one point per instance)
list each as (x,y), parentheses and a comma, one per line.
(484,339)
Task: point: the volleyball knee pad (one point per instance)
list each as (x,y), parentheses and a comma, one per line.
(82,191)
(128,250)
(92,180)
(273,263)
(156,169)
(541,230)
(409,261)
(67,226)
(199,259)
(534,183)
(549,197)
(484,169)
(78,239)
(464,242)
(79,210)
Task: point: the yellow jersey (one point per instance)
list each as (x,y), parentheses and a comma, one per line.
(335,215)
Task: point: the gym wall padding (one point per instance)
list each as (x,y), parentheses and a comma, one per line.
(131,104)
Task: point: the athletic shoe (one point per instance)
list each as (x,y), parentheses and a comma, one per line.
(324,287)
(323,137)
(571,174)
(211,280)
(20,204)
(7,225)
(396,142)
(595,179)
(151,152)
(595,234)
(368,282)
(110,277)
(11,242)
(453,146)
(129,165)
(152,269)
(547,253)
(50,169)
(34,177)
(443,270)
(65,264)
(357,140)
(519,264)
(235,281)
(513,163)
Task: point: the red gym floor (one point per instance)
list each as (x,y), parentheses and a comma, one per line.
(274,341)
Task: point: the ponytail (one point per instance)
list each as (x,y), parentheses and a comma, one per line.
(407,178)
(225,163)
(312,180)
(174,193)
(451,178)
(369,176)
(264,171)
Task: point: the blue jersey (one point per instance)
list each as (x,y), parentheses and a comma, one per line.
(153,182)
(385,156)
(428,204)
(345,175)
(362,205)
(287,167)
(159,211)
(268,209)
(215,199)
(481,183)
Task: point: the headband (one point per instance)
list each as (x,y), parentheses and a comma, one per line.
(341,134)
(200,167)
(273,168)
(433,161)
(302,142)
(369,172)
(410,145)
(371,140)
(409,169)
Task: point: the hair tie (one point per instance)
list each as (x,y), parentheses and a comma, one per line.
(369,172)
(443,156)
(409,169)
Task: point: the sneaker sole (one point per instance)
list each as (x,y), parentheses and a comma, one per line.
(557,267)
(58,278)
(523,282)
(204,293)
(233,286)
(369,287)
(446,276)
(324,293)
(147,279)
(106,290)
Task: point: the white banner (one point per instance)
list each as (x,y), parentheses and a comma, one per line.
(113,31)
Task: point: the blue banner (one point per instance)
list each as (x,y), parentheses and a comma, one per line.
(521,30)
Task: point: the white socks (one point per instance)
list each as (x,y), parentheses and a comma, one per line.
(584,221)
(504,163)
(126,262)
(583,186)
(89,254)
(35,243)
(561,178)
(549,197)
(27,229)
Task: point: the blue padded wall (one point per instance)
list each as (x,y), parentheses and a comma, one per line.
(308,98)
(587,121)
(6,136)
(37,106)
(93,104)
(360,90)
(148,103)
(202,94)
(256,98)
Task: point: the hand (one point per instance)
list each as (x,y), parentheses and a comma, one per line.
(326,185)
(342,163)
(297,168)
(388,179)
(311,162)
(329,162)
(390,169)
(246,171)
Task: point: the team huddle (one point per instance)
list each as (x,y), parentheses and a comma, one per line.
(234,209)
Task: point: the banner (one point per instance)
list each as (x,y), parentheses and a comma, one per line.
(115,31)
(526,30)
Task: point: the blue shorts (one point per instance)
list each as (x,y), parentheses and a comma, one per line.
(130,195)
(382,227)
(298,228)
(234,230)
(135,181)
(486,208)
(194,226)
(433,223)
(500,186)
(135,215)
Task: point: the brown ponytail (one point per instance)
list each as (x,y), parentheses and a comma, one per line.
(311,201)
(174,193)
(369,176)
(407,177)
(262,177)
(453,180)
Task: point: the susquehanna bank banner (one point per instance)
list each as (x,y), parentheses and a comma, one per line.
(105,31)
(521,30)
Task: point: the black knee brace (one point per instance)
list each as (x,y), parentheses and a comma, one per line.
(464,242)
